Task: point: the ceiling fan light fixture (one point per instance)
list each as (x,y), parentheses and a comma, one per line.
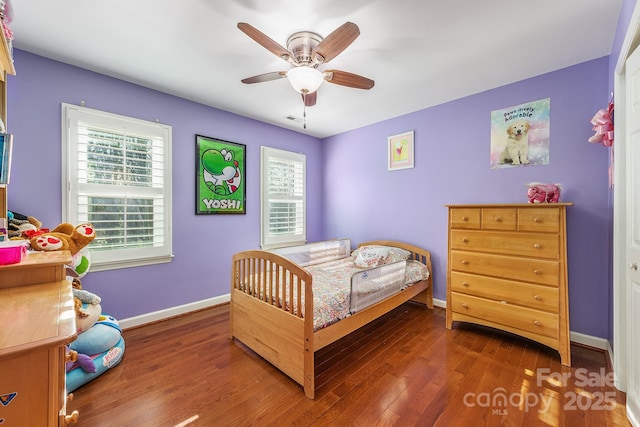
(305,79)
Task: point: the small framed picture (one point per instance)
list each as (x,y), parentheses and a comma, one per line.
(400,151)
(220,176)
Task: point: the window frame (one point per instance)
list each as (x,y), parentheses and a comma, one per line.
(112,259)
(267,241)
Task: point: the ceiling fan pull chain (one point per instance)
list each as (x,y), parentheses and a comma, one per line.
(304,110)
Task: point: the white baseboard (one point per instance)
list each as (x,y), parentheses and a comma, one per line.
(167,313)
(156,316)
(577,337)
(610,353)
(589,340)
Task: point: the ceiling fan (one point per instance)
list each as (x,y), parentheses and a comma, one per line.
(305,51)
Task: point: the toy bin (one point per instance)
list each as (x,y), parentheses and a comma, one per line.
(12,252)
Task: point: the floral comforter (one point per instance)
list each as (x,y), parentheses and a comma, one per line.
(332,288)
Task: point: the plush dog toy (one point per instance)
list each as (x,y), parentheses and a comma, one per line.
(81,296)
(65,237)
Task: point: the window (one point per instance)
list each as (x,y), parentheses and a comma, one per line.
(116,174)
(282,199)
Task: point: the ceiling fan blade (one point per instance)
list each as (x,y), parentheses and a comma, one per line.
(265,41)
(344,78)
(336,42)
(310,99)
(266,77)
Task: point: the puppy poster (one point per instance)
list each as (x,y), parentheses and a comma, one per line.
(520,135)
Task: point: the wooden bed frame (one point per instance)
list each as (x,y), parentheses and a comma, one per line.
(279,332)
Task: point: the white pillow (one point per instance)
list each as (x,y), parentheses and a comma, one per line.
(371,256)
(376,255)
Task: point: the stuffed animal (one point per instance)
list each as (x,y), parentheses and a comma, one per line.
(76,359)
(553,193)
(86,296)
(81,296)
(536,195)
(543,193)
(22,226)
(65,237)
(80,264)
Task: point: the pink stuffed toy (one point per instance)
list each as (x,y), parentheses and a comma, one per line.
(536,195)
(543,193)
(553,193)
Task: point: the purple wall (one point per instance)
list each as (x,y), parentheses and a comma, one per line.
(364,201)
(626,12)
(202,244)
(350,192)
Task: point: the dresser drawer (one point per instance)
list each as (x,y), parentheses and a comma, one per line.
(499,219)
(529,270)
(534,296)
(464,218)
(526,319)
(528,244)
(544,220)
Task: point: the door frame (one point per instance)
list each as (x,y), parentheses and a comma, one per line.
(620,316)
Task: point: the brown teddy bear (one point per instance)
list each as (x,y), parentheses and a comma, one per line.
(65,237)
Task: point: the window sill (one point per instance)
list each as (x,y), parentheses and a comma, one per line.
(128,263)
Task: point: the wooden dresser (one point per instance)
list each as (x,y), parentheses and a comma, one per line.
(37,320)
(507,269)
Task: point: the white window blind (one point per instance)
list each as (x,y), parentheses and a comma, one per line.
(283,201)
(118,177)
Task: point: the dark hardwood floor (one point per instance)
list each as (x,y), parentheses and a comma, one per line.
(403,369)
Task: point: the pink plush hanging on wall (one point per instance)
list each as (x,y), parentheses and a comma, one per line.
(603,126)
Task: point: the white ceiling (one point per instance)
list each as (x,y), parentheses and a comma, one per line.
(419,52)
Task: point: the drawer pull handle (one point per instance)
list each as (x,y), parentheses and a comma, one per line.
(537,245)
(465,262)
(73,418)
(465,284)
(537,323)
(537,220)
(465,306)
(537,272)
(464,218)
(465,240)
(537,297)
(497,219)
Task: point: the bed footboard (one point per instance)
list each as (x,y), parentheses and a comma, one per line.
(270,297)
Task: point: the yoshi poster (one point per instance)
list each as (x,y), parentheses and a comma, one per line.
(220,169)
